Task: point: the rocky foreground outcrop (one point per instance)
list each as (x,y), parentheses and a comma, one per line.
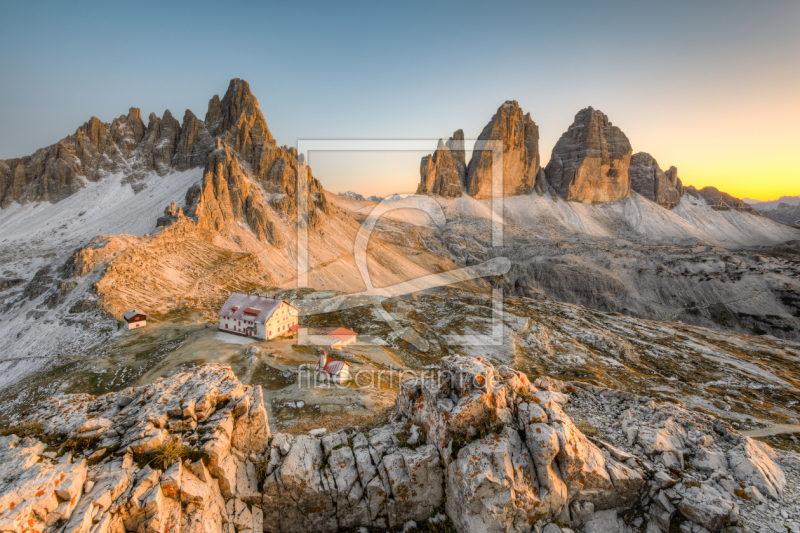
(194,452)
(590,161)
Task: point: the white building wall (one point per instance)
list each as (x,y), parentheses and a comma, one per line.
(277,326)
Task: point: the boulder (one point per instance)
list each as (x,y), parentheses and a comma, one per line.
(704,505)
(492,487)
(753,463)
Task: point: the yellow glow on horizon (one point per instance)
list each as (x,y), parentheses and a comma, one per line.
(754,178)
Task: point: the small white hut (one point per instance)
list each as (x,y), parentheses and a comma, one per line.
(334,369)
(134,319)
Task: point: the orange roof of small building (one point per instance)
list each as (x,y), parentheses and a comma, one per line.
(332,366)
(295,327)
(341,332)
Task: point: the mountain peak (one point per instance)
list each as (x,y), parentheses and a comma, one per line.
(520,137)
(590,161)
(237,117)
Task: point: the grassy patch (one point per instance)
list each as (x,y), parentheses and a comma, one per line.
(405,434)
(78,445)
(789,442)
(304,349)
(526,395)
(587,429)
(33,429)
(165,455)
(261,471)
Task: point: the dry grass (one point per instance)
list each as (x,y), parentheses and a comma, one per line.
(587,429)
(165,455)
(33,429)
(405,433)
(77,445)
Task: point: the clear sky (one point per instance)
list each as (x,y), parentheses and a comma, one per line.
(712,87)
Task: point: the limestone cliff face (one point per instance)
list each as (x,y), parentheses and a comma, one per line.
(650,181)
(590,161)
(55,172)
(521,164)
(246,164)
(443,173)
(98,149)
(672,175)
(229,194)
(194,145)
(126,145)
(128,131)
(160,141)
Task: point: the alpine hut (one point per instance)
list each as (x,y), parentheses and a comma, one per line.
(334,369)
(251,315)
(134,319)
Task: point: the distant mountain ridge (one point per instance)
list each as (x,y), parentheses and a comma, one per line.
(374,198)
(785,209)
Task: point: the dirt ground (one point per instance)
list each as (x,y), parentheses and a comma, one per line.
(281,366)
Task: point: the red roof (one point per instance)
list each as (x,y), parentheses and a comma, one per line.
(295,327)
(332,366)
(341,331)
(260,308)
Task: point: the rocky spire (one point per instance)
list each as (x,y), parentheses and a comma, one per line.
(672,175)
(157,149)
(590,161)
(128,131)
(443,172)
(237,119)
(650,181)
(228,194)
(520,138)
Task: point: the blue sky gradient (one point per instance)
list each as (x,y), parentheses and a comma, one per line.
(709,86)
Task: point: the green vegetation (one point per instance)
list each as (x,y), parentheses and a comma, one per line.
(76,445)
(36,431)
(261,471)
